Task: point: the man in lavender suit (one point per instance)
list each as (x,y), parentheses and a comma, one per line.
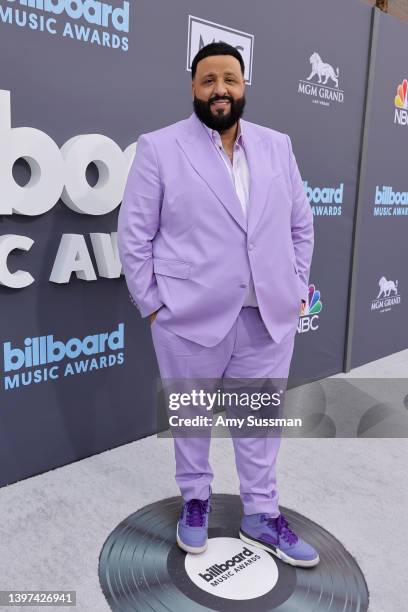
(215,237)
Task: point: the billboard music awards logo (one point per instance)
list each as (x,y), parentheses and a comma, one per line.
(36,361)
(202,32)
(388,202)
(102,23)
(309,315)
(401,104)
(325,201)
(232,570)
(60,174)
(219,572)
(387,297)
(322,84)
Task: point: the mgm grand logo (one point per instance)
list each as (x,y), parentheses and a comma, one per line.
(387,297)
(322,84)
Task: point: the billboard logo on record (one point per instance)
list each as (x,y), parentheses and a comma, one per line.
(322,84)
(202,32)
(309,317)
(232,571)
(387,297)
(401,104)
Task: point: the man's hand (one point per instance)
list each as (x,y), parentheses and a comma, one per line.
(153,315)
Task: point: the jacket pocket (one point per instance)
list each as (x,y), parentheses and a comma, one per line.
(171,267)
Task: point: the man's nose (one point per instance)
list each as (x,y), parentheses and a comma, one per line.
(220,89)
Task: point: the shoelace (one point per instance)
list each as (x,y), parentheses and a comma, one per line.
(282,527)
(195,511)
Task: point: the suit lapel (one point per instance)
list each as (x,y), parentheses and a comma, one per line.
(260,172)
(204,158)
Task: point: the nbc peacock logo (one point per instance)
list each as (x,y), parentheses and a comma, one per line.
(309,315)
(401,97)
(401,104)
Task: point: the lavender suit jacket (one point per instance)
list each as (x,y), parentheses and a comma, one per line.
(186,246)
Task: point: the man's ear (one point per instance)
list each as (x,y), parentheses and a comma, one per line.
(192,88)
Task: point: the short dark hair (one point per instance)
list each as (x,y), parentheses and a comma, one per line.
(216,48)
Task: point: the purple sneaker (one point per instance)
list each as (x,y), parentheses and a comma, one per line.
(192,526)
(275,536)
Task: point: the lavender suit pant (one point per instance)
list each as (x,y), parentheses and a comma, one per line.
(247,351)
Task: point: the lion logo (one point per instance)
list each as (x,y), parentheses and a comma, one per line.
(322,70)
(387,286)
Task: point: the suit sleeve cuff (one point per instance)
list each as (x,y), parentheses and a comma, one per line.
(146,312)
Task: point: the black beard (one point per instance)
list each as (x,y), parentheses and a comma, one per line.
(220,122)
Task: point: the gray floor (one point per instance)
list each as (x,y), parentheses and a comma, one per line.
(54,525)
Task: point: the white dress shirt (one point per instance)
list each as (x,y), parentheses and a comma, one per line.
(239,173)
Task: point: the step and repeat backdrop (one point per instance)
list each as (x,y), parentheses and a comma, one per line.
(312,86)
(380,279)
(80,81)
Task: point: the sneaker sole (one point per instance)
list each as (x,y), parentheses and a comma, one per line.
(279,553)
(190,549)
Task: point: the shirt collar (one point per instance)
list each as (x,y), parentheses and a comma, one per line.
(215,137)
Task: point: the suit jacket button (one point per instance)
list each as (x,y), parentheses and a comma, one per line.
(243,285)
